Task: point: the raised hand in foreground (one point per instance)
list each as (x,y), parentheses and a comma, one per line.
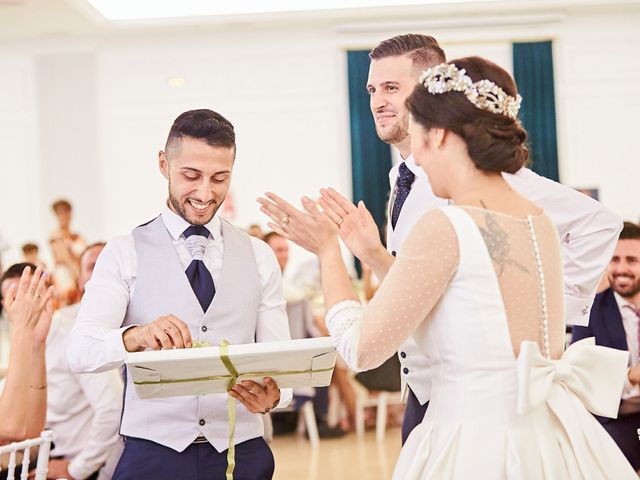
(23,402)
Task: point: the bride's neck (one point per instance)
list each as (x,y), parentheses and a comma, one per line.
(477,188)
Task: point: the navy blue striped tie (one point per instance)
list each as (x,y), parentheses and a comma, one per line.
(197,273)
(403,187)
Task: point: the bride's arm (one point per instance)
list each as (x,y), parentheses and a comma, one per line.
(414,285)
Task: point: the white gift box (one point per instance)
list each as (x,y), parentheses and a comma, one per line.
(306,362)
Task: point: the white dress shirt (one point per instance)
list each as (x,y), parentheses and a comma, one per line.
(83,410)
(97,344)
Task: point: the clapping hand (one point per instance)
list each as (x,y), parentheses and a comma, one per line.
(357,228)
(28,304)
(314,230)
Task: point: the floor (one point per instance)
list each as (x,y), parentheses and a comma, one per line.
(344,458)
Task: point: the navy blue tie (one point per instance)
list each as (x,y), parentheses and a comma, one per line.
(197,273)
(403,187)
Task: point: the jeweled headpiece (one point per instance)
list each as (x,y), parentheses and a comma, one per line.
(484,94)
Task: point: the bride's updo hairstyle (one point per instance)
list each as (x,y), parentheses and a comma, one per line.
(477,100)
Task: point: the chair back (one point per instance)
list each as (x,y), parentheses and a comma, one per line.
(43,443)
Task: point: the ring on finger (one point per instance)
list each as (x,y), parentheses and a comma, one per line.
(285,221)
(340,221)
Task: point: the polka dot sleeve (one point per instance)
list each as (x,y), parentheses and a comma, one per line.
(416,281)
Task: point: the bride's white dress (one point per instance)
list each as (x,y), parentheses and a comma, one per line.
(497,411)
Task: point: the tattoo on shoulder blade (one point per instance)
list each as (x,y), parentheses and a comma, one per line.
(497,242)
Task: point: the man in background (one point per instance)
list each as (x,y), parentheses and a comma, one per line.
(587,230)
(83,410)
(615,323)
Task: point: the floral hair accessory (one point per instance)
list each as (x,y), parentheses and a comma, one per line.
(484,94)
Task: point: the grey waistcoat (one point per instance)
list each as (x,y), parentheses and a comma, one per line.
(162,288)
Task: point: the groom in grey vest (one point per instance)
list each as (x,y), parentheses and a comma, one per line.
(186,276)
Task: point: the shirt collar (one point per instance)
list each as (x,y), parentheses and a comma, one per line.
(177,225)
(622,302)
(413,166)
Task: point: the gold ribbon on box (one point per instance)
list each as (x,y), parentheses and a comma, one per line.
(231,378)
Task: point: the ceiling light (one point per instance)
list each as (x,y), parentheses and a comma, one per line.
(158,9)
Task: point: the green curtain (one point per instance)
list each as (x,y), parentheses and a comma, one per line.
(533,71)
(370,157)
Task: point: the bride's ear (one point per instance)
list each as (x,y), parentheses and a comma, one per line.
(438,137)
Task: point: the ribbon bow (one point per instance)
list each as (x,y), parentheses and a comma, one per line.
(594,374)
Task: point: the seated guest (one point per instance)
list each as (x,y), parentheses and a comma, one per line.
(615,322)
(83,410)
(23,401)
(301,325)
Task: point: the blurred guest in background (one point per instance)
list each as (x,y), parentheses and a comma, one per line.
(615,323)
(30,253)
(255,230)
(66,247)
(23,401)
(83,410)
(301,325)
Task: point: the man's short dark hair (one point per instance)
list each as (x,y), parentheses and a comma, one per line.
(430,50)
(630,231)
(202,124)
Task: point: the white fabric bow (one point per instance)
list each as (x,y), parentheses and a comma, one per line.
(594,374)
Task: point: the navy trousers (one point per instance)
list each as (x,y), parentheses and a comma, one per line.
(147,460)
(413,415)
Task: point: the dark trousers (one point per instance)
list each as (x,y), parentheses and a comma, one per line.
(146,460)
(413,415)
(321,402)
(624,431)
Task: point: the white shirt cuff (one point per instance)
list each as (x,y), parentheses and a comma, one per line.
(114,344)
(286,395)
(577,310)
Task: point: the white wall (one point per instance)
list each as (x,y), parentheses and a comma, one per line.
(86,118)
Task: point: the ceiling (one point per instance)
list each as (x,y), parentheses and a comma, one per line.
(51,19)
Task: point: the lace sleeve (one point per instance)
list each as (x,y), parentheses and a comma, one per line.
(344,321)
(413,286)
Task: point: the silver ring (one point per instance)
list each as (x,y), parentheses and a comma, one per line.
(340,221)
